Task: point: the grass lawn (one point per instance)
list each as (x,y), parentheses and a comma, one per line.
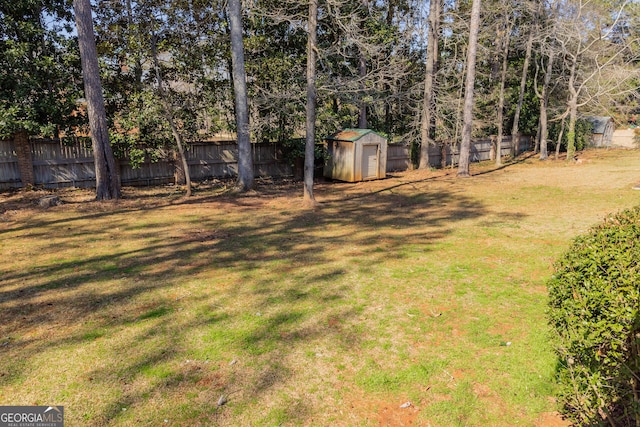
(420,288)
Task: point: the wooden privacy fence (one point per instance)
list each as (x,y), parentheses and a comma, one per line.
(50,164)
(481,150)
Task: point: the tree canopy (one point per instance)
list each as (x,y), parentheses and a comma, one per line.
(371,57)
(39,67)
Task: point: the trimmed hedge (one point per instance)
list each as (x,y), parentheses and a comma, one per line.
(595,315)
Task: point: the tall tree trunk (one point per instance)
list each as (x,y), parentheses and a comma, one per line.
(559,141)
(543,132)
(245,154)
(467,119)
(459,112)
(362,73)
(515,131)
(427,126)
(571,129)
(544,103)
(388,86)
(503,78)
(107,178)
(168,114)
(310,143)
(572,107)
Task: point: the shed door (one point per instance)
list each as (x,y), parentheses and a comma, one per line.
(369,161)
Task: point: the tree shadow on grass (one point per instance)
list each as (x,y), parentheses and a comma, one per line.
(279,280)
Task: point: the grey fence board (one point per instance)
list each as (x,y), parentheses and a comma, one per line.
(212,160)
(148,173)
(59,165)
(9,171)
(397,157)
(398,154)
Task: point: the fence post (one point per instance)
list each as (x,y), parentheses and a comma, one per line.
(25,161)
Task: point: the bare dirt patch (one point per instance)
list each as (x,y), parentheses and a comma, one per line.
(397,415)
(552,419)
(390,412)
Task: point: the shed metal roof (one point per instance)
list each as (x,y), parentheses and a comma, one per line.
(350,134)
(599,123)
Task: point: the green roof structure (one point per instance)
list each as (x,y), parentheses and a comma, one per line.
(350,134)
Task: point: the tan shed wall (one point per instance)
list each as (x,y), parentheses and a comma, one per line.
(341,165)
(346,159)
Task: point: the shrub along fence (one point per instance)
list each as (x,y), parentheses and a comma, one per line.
(51,164)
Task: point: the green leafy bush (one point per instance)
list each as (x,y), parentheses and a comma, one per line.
(583,134)
(595,314)
(293,149)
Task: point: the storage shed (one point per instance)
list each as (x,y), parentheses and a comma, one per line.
(356,155)
(603,127)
